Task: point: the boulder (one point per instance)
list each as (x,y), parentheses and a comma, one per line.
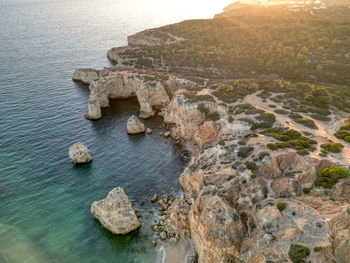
(135,126)
(149,131)
(115,212)
(79,153)
(154,198)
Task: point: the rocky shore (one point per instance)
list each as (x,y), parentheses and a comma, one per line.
(257,188)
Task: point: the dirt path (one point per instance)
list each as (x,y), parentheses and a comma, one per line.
(323,134)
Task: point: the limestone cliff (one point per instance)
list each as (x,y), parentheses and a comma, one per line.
(250,191)
(153,90)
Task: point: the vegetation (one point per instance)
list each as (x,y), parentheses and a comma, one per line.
(289,139)
(253,176)
(281,206)
(244,152)
(245,108)
(328,177)
(332,147)
(318,249)
(298,253)
(296,46)
(344,133)
(306,122)
(251,166)
(345,127)
(281,111)
(229,178)
(262,155)
(264,121)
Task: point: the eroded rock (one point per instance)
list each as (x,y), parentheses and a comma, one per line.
(86,76)
(79,153)
(134,125)
(115,212)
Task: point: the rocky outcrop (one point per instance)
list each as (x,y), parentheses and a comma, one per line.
(86,76)
(153,37)
(153,90)
(216,228)
(115,212)
(187,117)
(79,153)
(341,246)
(134,125)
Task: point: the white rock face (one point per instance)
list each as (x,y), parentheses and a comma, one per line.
(115,212)
(79,153)
(85,76)
(134,125)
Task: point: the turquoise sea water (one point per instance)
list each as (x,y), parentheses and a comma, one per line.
(44,199)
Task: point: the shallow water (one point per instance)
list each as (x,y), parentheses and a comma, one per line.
(44,199)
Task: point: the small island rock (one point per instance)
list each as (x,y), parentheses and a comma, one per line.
(134,125)
(115,212)
(79,153)
(149,131)
(154,198)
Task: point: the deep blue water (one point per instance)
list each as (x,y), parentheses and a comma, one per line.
(44,199)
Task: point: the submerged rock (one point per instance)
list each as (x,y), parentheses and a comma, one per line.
(154,198)
(79,153)
(134,125)
(115,212)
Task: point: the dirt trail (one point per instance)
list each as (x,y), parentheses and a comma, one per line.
(323,134)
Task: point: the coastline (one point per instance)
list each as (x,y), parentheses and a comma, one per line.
(247,197)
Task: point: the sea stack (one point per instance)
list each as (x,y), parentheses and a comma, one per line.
(134,125)
(79,153)
(115,212)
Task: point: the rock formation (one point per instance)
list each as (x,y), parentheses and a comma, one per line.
(134,125)
(86,76)
(249,190)
(115,212)
(79,153)
(153,90)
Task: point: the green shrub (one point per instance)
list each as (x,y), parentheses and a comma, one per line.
(343,135)
(229,178)
(262,155)
(281,111)
(345,127)
(332,147)
(251,166)
(319,117)
(303,152)
(298,253)
(253,176)
(143,63)
(264,121)
(306,190)
(281,206)
(328,177)
(307,123)
(295,116)
(244,152)
(272,146)
(318,249)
